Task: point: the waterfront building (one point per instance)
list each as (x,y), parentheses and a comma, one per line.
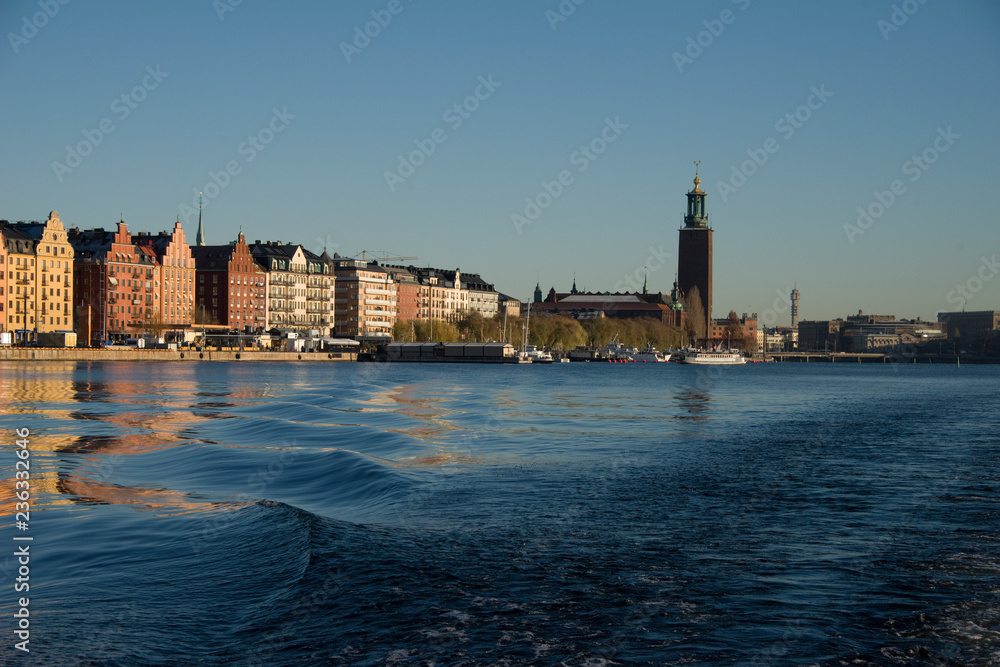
(694,252)
(820,335)
(300,286)
(450,293)
(508,305)
(862,318)
(173,289)
(365,300)
(794,297)
(116,285)
(719,334)
(780,339)
(21,275)
(971,329)
(5,309)
(43,259)
(589,305)
(483,298)
(861,332)
(231,288)
(883,343)
(412,296)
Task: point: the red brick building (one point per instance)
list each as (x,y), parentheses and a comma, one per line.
(114,285)
(174,288)
(412,296)
(231,287)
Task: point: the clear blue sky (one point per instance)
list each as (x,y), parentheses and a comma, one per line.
(888,94)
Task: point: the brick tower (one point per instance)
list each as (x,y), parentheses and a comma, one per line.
(694,263)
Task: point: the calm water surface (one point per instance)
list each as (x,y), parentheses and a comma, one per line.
(576,514)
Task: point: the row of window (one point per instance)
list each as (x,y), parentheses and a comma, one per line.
(16,319)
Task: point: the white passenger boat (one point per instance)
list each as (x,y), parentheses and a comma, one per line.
(714,357)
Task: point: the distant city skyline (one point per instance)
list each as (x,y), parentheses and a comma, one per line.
(846,151)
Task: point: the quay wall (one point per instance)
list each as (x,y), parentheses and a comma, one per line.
(91,354)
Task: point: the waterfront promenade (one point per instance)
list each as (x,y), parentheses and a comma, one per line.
(97,354)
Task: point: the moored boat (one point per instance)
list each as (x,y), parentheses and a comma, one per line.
(617,352)
(651,354)
(535,355)
(714,357)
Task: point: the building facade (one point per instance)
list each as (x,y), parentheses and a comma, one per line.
(443,294)
(820,335)
(300,286)
(5,326)
(508,306)
(972,327)
(720,335)
(173,298)
(117,285)
(483,298)
(21,293)
(412,296)
(38,283)
(366,296)
(231,288)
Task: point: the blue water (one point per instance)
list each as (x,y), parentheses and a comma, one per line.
(573,514)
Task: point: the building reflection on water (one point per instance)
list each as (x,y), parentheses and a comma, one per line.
(49,397)
(693,404)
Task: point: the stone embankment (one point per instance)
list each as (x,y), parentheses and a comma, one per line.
(91,354)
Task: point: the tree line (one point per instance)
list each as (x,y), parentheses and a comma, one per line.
(555,332)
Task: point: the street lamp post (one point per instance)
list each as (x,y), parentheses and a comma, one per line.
(24,338)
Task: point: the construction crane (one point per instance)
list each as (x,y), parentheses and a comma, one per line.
(383,257)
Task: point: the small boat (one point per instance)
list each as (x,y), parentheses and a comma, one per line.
(651,354)
(583,353)
(714,357)
(536,356)
(617,352)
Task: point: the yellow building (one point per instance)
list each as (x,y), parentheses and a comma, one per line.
(20,253)
(39,277)
(54,277)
